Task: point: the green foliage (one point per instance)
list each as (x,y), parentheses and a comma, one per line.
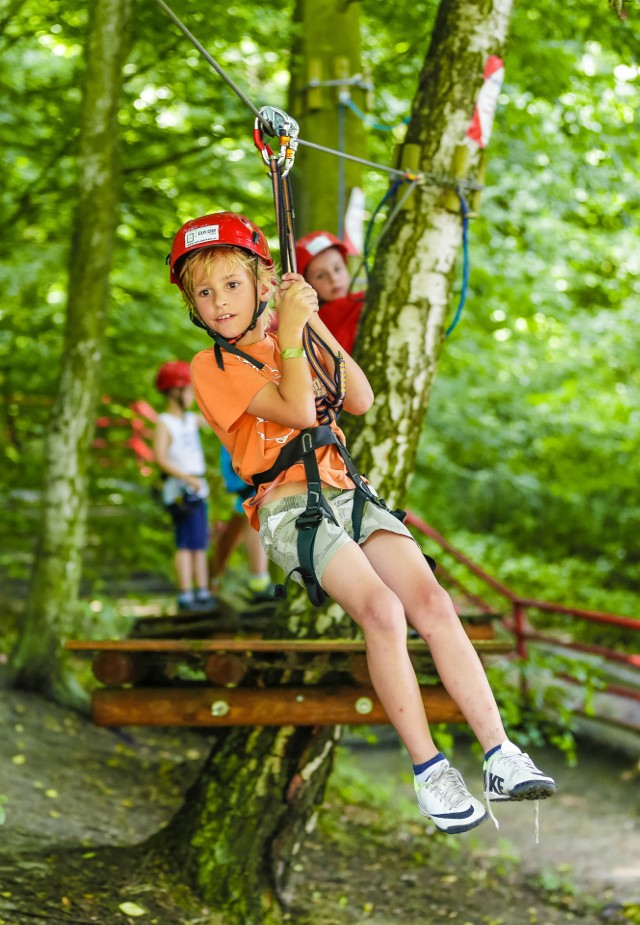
(535,702)
(528,459)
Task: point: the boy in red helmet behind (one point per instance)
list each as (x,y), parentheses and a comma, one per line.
(178,453)
(318,520)
(322,260)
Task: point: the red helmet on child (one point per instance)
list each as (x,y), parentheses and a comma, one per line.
(218,229)
(315,243)
(173,375)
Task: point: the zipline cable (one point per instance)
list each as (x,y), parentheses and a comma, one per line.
(214,64)
(392,171)
(245,99)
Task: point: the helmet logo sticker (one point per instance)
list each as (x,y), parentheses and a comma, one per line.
(198,235)
(319,244)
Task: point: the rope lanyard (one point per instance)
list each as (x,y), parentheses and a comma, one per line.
(330,389)
(464,211)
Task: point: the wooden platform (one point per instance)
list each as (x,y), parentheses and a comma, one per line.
(279,706)
(251,681)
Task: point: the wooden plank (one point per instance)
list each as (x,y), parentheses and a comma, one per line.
(236,644)
(309,706)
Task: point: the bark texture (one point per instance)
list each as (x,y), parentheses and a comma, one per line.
(244,820)
(50,611)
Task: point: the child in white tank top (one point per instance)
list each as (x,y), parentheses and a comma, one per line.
(179,455)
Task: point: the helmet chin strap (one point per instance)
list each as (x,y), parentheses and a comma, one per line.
(222,343)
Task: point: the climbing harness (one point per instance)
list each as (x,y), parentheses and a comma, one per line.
(303,449)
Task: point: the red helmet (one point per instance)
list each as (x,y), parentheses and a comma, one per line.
(219,229)
(315,243)
(173,375)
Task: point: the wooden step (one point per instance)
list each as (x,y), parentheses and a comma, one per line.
(248,660)
(282,706)
(251,644)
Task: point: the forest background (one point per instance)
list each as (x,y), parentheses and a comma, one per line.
(528,458)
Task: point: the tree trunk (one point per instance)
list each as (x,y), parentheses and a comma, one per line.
(401,332)
(244,819)
(246,816)
(327,50)
(51,607)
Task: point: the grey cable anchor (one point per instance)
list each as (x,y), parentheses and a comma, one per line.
(280,126)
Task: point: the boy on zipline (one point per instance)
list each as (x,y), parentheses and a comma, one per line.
(258,391)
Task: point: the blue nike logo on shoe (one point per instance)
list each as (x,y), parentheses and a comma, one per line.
(463,814)
(495,784)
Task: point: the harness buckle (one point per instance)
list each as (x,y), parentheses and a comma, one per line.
(309,519)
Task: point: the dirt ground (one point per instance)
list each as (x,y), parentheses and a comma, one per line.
(72,791)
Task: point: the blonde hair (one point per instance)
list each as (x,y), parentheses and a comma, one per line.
(203,259)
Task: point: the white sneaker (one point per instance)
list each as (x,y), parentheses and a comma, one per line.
(510,774)
(444,798)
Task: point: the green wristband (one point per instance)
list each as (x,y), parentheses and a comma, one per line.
(292,352)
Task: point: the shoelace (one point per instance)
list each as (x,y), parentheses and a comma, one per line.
(536,812)
(450,783)
(536,816)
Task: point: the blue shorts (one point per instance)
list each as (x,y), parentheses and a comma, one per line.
(192,526)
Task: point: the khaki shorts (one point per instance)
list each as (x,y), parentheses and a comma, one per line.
(279,534)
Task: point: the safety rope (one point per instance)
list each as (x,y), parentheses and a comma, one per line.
(464,211)
(424,176)
(369,120)
(330,389)
(368,247)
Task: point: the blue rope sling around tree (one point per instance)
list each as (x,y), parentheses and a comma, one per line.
(272,121)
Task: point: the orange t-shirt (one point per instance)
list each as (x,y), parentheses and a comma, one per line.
(223,397)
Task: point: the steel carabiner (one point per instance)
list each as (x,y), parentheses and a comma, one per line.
(282,127)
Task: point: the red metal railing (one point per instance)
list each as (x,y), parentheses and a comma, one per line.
(518,622)
(135,417)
